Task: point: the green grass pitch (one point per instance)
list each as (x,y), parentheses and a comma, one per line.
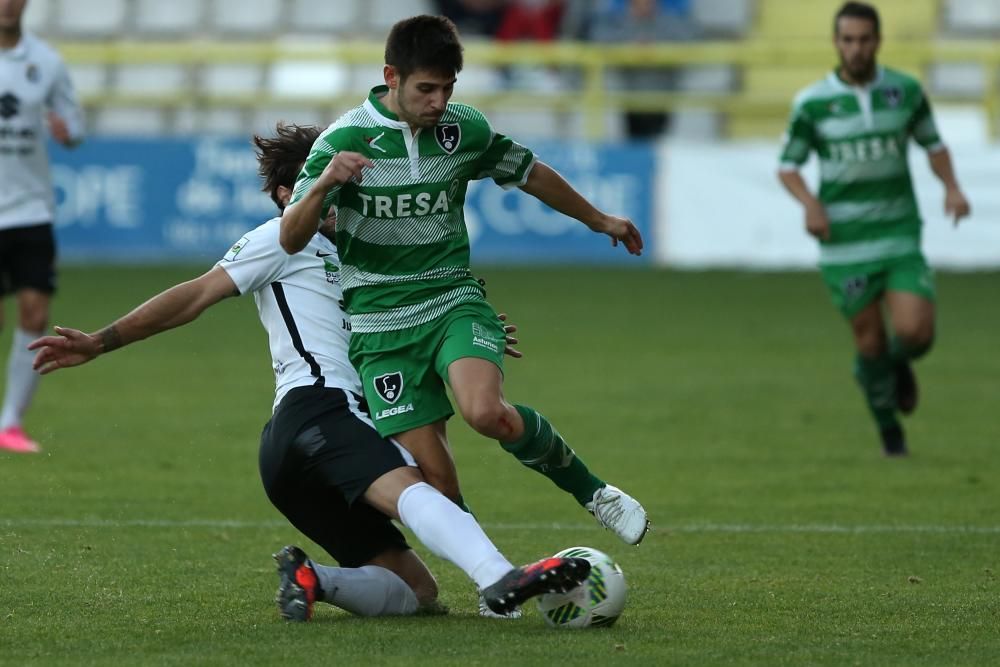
(724,401)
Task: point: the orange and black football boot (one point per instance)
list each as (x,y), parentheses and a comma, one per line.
(299,587)
(549,575)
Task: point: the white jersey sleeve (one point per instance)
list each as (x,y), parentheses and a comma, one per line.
(257,259)
(62,99)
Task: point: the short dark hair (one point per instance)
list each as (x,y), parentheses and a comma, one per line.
(424,42)
(279,158)
(858,10)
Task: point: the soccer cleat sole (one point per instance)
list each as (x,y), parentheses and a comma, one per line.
(552,575)
(294,600)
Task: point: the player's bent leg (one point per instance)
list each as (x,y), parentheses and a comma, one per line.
(414,572)
(455,535)
(369,590)
(536,444)
(875,374)
(912,317)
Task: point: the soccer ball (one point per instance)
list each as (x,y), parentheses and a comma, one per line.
(597,602)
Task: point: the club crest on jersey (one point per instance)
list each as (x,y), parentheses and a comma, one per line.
(893,96)
(31,73)
(854,287)
(449,136)
(389,386)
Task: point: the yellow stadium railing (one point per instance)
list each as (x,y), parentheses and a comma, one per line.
(593,62)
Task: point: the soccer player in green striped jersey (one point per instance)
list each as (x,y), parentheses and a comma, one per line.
(859,120)
(397,168)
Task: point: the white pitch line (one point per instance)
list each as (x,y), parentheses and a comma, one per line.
(540,526)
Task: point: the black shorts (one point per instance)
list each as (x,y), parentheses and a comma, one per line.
(318,455)
(28,259)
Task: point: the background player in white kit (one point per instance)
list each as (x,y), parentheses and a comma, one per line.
(35,90)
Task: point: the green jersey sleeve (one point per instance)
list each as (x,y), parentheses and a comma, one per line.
(923,128)
(322,152)
(800,137)
(507,162)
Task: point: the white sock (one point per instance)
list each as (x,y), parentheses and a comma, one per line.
(22,380)
(366,591)
(451,533)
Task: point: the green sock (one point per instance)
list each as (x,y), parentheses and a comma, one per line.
(878,382)
(542,449)
(901,353)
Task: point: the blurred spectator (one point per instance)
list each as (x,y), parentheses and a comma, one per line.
(474,17)
(533,20)
(621,7)
(646,22)
(580,16)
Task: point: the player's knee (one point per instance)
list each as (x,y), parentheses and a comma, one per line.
(34,323)
(870,344)
(917,340)
(488,418)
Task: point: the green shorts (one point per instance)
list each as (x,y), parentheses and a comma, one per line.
(854,286)
(404,372)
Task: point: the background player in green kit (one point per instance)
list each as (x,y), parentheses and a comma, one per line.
(859,120)
(397,168)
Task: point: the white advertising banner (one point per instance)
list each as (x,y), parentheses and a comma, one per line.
(721,205)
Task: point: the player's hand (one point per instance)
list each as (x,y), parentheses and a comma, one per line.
(621,230)
(817,223)
(956,205)
(59,129)
(509,330)
(343,168)
(69,348)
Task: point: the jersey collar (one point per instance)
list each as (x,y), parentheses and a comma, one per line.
(20,50)
(838,83)
(379,112)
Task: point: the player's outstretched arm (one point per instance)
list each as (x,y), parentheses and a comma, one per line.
(955,203)
(301,220)
(169,309)
(551,188)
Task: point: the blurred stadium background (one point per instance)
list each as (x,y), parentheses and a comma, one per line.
(653,123)
(722,399)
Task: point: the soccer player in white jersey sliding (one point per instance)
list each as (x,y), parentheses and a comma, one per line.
(859,119)
(322,463)
(397,168)
(35,90)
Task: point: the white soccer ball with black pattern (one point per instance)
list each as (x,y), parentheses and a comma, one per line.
(597,602)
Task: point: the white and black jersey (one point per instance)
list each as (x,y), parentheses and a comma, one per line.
(298,297)
(33,81)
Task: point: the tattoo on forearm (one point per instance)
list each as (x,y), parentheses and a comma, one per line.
(110,338)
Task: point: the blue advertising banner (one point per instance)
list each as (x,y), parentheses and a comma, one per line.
(191,199)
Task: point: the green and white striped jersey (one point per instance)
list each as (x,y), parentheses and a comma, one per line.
(861,135)
(401,232)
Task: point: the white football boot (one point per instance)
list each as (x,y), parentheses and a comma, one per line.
(620,513)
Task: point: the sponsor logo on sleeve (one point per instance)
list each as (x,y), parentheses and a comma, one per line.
(236,249)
